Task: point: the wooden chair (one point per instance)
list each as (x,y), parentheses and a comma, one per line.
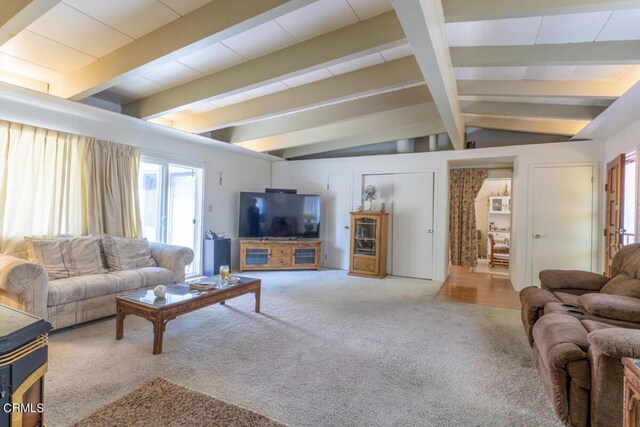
(499,254)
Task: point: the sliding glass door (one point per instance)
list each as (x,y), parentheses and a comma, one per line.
(171,205)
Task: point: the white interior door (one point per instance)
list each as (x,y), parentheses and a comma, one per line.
(413,225)
(409,198)
(337,205)
(563,219)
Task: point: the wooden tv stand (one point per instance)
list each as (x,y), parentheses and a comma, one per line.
(302,254)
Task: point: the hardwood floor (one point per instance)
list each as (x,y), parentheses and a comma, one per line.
(478,288)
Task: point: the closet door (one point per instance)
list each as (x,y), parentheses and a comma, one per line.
(413,225)
(337,205)
(563,218)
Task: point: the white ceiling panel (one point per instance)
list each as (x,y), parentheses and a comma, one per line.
(549,72)
(211,59)
(170,74)
(397,52)
(356,64)
(468,73)
(73,28)
(28,69)
(505,32)
(464,34)
(137,87)
(133,18)
(600,72)
(623,25)
(307,78)
(319,17)
(366,9)
(266,90)
(40,50)
(574,28)
(22,81)
(503,73)
(260,40)
(230,100)
(184,6)
(201,107)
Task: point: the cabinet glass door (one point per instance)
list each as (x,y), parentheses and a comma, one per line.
(496,204)
(365,236)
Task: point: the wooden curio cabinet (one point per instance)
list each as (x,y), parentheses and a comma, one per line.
(368,244)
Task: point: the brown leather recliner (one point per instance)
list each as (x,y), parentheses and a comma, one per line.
(580,325)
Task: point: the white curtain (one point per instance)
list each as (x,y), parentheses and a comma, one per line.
(45,178)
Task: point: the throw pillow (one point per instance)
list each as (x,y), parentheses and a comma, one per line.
(66,257)
(127,253)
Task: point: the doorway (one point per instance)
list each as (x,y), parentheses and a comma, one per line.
(493,223)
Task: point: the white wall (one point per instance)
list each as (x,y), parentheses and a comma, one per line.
(310,176)
(242,169)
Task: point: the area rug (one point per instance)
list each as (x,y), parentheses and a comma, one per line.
(164,403)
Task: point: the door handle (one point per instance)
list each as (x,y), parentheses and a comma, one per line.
(430,231)
(346,227)
(536,236)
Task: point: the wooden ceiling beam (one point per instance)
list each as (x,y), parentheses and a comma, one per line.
(325,115)
(401,117)
(16,15)
(475,10)
(523,109)
(355,40)
(591,53)
(207,25)
(546,126)
(423,23)
(342,87)
(597,89)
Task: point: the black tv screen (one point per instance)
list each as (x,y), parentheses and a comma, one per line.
(279,215)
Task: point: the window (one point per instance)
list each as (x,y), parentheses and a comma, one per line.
(171,204)
(629,202)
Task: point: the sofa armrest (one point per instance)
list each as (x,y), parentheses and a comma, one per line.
(174,258)
(533,300)
(614,307)
(23,285)
(616,342)
(572,280)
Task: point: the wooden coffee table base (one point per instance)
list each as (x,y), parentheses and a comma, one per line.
(160,316)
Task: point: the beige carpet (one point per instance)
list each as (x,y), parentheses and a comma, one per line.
(164,403)
(328,349)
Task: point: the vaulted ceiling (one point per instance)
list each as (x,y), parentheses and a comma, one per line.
(303,77)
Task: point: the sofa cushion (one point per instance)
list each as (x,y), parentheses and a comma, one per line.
(67,257)
(127,253)
(144,277)
(71,289)
(611,306)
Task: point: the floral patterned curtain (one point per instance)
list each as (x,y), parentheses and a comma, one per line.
(464,185)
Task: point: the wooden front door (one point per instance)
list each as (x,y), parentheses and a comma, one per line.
(614,233)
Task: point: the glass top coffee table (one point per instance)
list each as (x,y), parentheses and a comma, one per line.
(180,299)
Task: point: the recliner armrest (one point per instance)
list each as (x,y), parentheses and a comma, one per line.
(616,342)
(556,280)
(614,307)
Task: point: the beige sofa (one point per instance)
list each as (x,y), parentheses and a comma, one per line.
(69,301)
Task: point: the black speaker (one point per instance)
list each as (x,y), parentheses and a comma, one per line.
(216,252)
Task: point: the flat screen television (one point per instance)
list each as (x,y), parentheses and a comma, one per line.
(279,215)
